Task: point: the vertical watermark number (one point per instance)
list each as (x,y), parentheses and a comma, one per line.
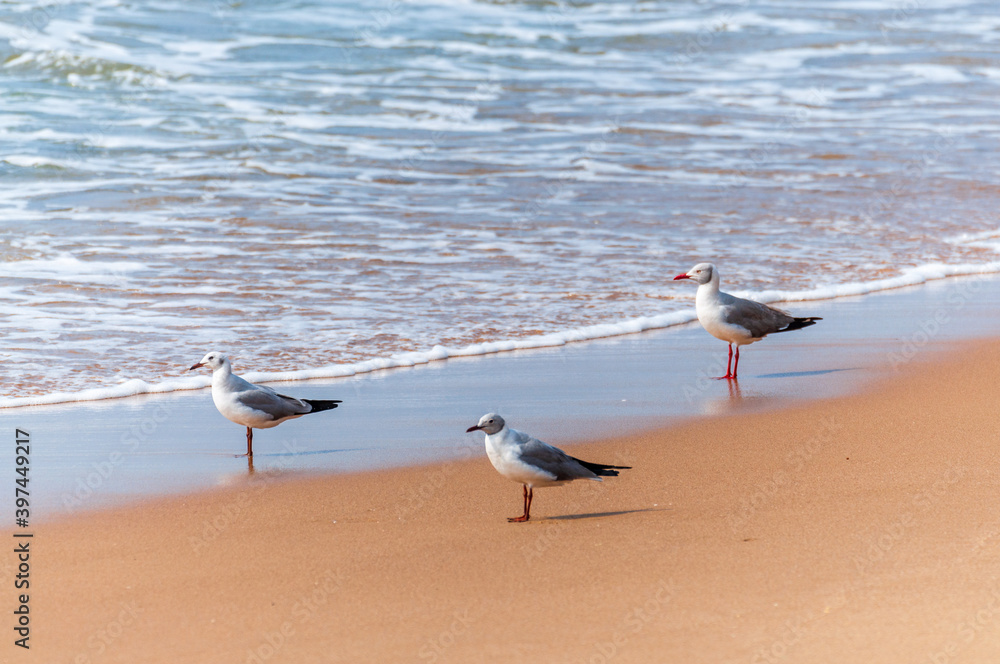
(22,459)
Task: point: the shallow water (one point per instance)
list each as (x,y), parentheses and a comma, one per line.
(322,188)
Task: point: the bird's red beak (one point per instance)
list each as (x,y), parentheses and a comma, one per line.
(682,276)
(471,429)
(197,366)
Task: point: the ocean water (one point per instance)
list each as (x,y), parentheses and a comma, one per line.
(323,188)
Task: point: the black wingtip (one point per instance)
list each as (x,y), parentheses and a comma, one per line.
(321,405)
(799,323)
(602,469)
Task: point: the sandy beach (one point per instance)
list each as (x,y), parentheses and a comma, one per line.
(857,528)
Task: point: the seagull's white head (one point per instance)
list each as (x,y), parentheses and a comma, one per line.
(701,273)
(490,423)
(213,361)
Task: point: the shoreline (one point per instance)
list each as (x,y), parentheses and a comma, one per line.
(912,278)
(859,523)
(113,452)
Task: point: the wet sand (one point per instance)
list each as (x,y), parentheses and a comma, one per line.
(856,528)
(112,452)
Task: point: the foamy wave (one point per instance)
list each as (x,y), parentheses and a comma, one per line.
(67,267)
(129,388)
(136,387)
(911,277)
(32,161)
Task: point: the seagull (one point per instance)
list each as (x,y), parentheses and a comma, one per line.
(521,458)
(734,319)
(253,406)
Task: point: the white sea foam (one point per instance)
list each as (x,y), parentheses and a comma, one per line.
(913,276)
(67,266)
(32,161)
(910,277)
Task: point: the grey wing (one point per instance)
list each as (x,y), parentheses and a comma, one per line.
(758,318)
(553,461)
(276,405)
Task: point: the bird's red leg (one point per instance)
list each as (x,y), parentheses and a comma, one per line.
(249,442)
(737,364)
(729,363)
(527,505)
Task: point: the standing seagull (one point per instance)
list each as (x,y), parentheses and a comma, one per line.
(521,458)
(734,319)
(253,406)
